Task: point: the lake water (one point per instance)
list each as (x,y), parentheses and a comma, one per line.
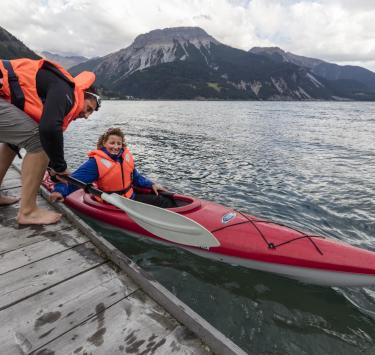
(309,165)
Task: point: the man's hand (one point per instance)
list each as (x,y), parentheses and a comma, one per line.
(58,176)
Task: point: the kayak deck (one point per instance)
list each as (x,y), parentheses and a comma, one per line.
(251,242)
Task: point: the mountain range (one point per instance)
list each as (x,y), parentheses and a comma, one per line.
(67,61)
(188,63)
(319,67)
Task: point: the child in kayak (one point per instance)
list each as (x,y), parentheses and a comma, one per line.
(111,167)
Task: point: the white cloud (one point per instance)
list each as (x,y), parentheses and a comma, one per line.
(341,31)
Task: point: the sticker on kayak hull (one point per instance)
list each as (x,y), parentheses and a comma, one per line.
(228,217)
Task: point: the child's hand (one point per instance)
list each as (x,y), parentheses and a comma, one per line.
(55,196)
(156,187)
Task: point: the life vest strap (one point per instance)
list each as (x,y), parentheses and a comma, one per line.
(121,192)
(17,95)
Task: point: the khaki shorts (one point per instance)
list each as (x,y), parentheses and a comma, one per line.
(17,128)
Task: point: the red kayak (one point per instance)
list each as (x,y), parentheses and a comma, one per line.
(252,242)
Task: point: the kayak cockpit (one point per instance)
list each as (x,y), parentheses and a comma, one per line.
(184,203)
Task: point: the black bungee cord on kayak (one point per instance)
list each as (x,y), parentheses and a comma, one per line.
(273,246)
(270,244)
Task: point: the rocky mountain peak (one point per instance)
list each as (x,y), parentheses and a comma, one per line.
(279,54)
(270,51)
(257,50)
(169,36)
(157,47)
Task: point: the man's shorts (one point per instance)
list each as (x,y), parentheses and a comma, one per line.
(17,128)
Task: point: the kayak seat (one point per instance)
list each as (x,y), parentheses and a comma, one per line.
(184,203)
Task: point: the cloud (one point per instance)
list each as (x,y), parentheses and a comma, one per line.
(341,31)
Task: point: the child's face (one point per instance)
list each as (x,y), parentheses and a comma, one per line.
(113,144)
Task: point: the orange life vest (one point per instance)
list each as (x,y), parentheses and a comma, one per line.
(111,177)
(26,71)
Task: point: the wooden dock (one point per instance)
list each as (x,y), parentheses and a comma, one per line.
(66,290)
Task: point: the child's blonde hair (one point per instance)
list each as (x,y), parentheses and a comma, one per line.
(111,132)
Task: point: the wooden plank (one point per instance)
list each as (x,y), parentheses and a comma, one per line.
(42,318)
(40,250)
(12,173)
(11,180)
(15,236)
(10,186)
(36,277)
(9,213)
(135,325)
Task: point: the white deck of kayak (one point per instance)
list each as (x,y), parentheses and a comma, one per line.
(66,290)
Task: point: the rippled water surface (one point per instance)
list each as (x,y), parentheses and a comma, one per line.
(307,165)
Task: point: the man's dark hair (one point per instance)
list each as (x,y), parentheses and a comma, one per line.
(92,89)
(92,94)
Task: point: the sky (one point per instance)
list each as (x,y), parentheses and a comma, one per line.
(338,31)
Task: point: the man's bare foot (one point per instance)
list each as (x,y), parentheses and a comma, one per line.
(39,216)
(8,200)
